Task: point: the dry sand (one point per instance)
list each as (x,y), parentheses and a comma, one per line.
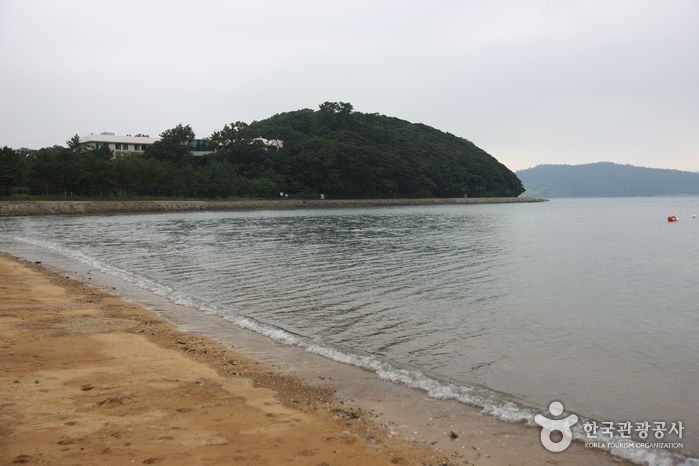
(87,378)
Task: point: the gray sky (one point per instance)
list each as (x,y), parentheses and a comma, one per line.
(529,81)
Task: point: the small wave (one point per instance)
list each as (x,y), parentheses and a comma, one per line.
(490,402)
(385,370)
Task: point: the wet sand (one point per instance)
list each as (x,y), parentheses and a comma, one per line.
(89,378)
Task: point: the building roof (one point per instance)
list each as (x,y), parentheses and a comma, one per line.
(111,138)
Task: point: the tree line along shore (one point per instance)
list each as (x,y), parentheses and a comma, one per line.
(333,151)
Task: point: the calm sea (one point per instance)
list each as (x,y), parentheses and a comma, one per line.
(591,302)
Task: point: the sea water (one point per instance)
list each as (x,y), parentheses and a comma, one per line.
(590,302)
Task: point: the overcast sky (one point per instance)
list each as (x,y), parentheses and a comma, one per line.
(529,81)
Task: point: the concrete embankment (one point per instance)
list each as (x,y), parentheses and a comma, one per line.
(25,208)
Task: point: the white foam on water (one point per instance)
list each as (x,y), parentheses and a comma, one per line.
(491,403)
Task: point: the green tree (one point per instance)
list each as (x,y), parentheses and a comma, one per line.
(44,167)
(102,152)
(78,147)
(174,146)
(100,175)
(70,172)
(10,167)
(335,115)
(239,145)
(219,178)
(129,173)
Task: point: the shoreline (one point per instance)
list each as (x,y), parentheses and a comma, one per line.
(31,208)
(386,420)
(88,377)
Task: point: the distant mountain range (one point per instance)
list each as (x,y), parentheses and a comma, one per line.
(606,179)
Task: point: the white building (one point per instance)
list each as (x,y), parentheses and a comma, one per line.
(139,143)
(119,143)
(278,143)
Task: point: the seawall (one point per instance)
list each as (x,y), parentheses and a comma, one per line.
(26,208)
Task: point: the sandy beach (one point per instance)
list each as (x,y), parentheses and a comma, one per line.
(89,378)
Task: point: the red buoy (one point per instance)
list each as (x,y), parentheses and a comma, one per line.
(672,218)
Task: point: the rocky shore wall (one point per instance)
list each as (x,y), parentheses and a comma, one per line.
(25,208)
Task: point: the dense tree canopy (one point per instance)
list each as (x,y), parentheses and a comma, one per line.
(10,167)
(333,151)
(343,153)
(174,146)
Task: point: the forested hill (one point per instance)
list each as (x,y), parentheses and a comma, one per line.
(333,151)
(343,153)
(606,179)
